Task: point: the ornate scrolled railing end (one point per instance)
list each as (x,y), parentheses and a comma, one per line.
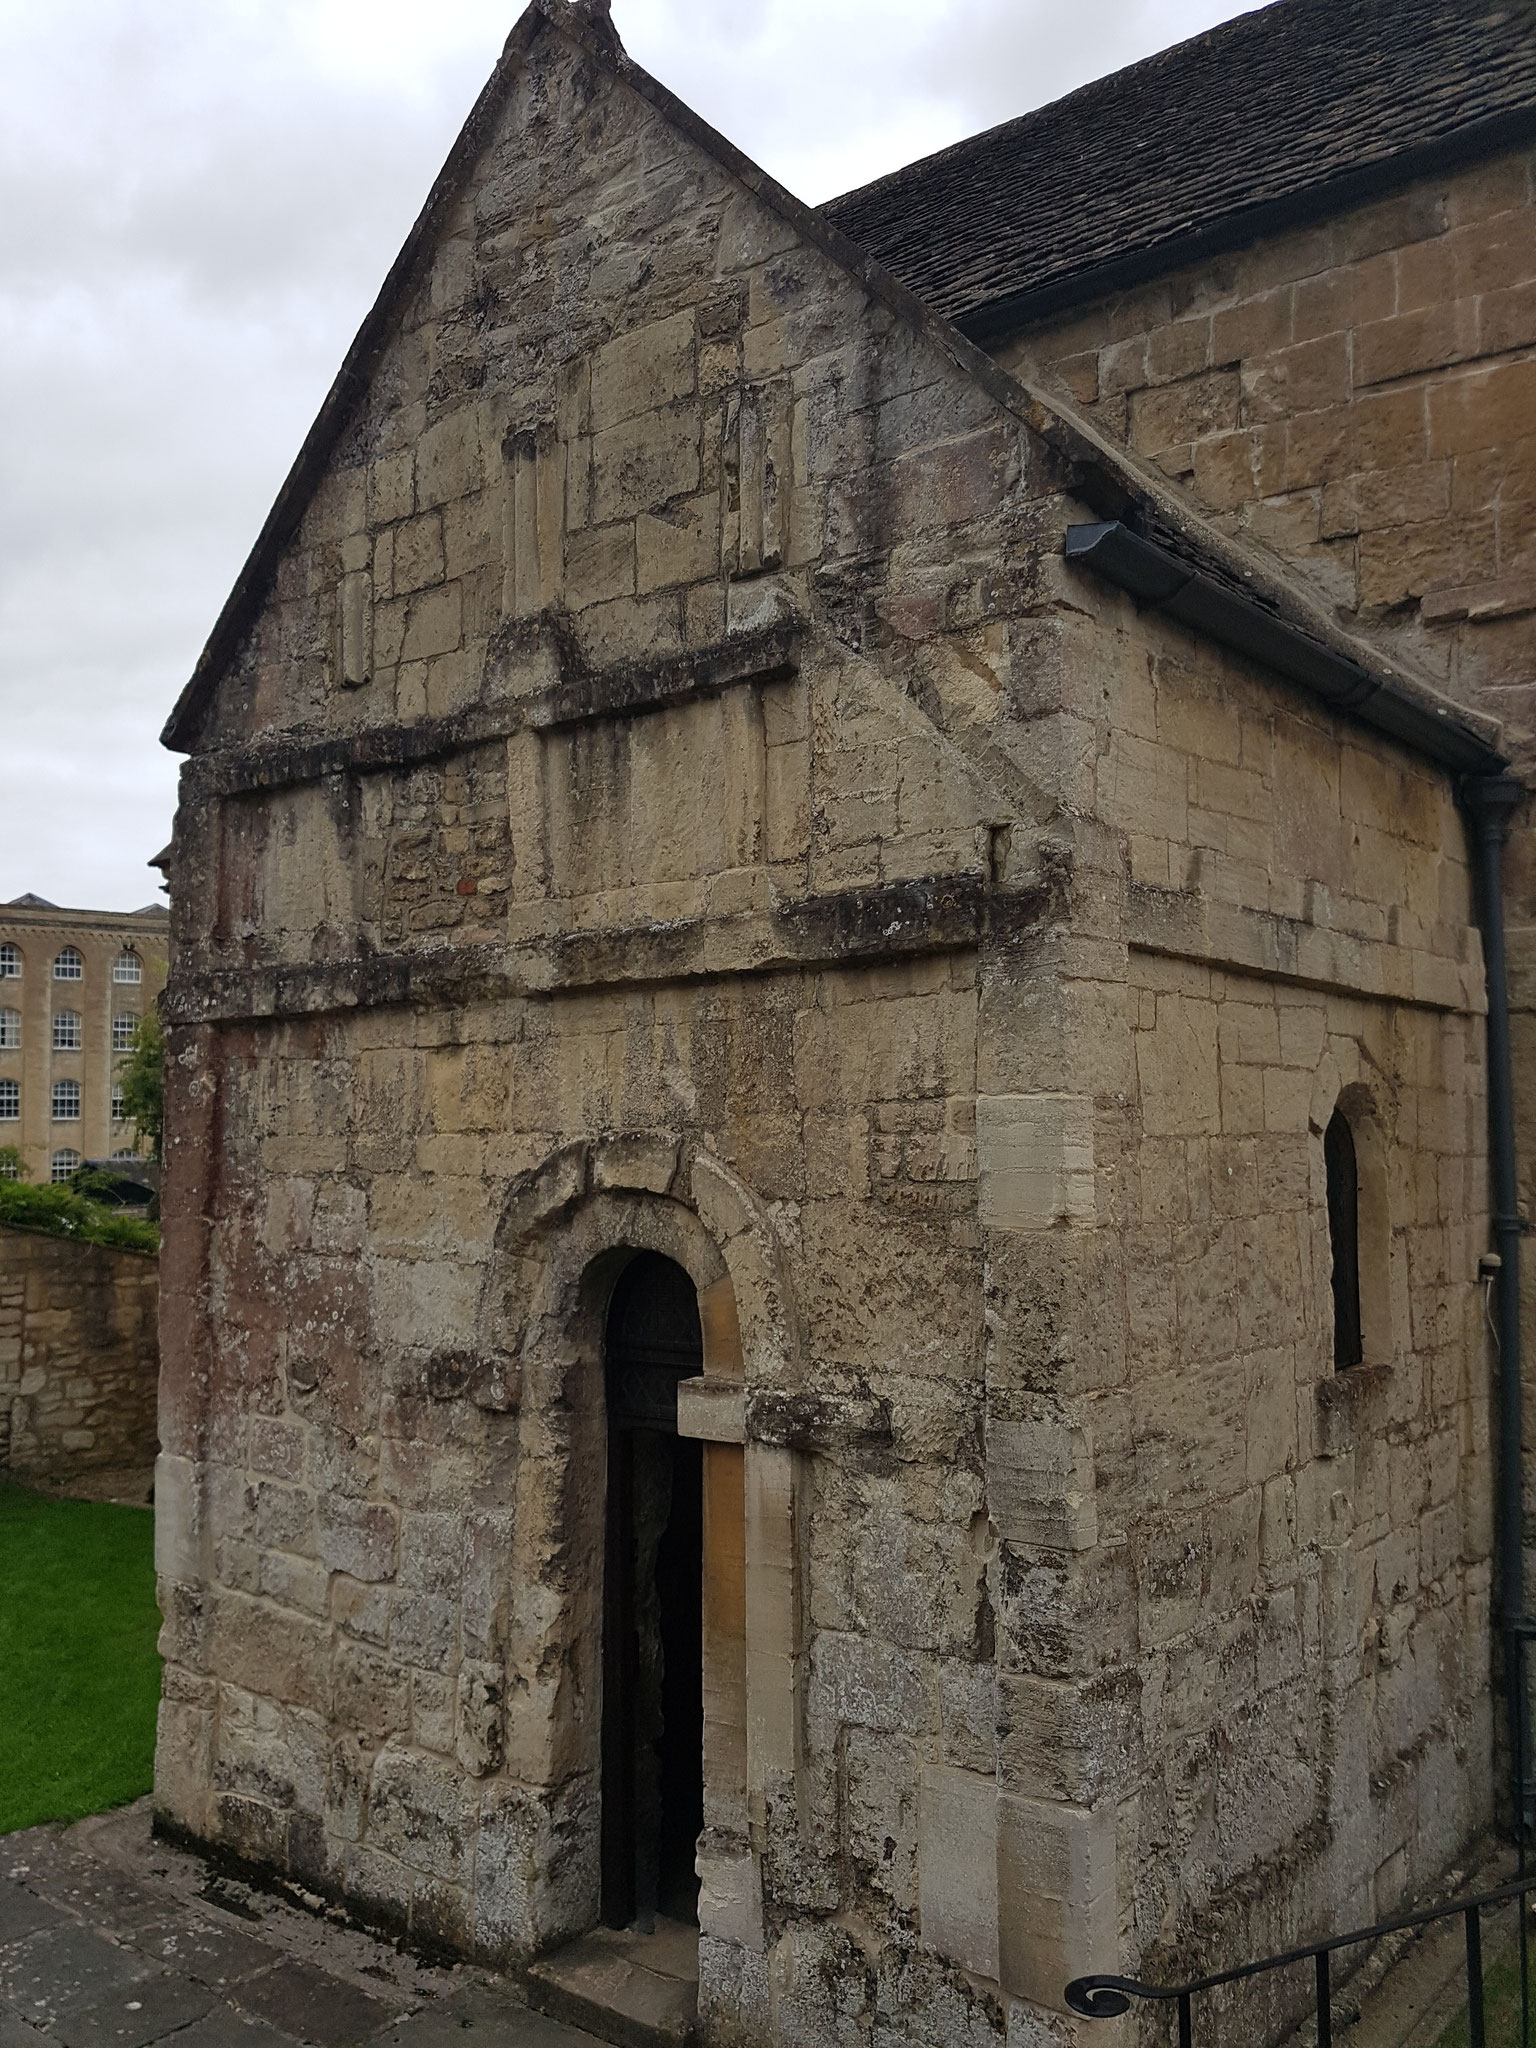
(1099,1998)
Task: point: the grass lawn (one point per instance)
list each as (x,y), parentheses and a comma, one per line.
(79,1674)
(1501,2001)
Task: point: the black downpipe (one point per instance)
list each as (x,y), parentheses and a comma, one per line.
(1489,801)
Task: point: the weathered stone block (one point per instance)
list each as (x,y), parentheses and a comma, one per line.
(181,1537)
(1055,1896)
(357,1538)
(1040,1482)
(643,370)
(958,1866)
(480,1735)
(641,464)
(269,1651)
(421,1813)
(449,460)
(1034,1157)
(433,623)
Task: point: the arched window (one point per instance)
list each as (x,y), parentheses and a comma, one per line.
(124,1025)
(69,966)
(67,1036)
(66,1102)
(9,1170)
(125,1152)
(126,967)
(10,962)
(10,1030)
(1343,1174)
(63,1164)
(10,1101)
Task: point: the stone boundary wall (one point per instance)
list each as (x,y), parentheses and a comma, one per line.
(79,1356)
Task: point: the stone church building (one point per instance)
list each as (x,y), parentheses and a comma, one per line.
(837,1047)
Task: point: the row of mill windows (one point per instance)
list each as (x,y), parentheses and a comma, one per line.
(63,1163)
(68,1030)
(69,965)
(66,1103)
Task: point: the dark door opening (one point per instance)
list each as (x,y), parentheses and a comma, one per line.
(653,1675)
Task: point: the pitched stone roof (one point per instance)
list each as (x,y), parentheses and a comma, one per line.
(1291,110)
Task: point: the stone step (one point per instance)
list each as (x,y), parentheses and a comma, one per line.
(633,1990)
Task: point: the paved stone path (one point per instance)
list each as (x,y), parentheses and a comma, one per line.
(108,1939)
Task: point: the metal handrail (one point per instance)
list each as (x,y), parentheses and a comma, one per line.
(1106,1997)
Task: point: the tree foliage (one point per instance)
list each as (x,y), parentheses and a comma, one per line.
(142,1077)
(12,1164)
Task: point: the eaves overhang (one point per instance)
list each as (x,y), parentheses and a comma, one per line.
(1160,580)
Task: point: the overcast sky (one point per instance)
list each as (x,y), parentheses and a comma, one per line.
(198,201)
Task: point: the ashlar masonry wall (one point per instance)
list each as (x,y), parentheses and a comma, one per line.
(79,1356)
(1357,394)
(1308,1704)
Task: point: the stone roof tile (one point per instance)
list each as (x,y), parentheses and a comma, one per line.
(1293,109)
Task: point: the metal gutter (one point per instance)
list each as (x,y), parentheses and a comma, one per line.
(1161,581)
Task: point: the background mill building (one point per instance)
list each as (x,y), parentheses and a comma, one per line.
(73,986)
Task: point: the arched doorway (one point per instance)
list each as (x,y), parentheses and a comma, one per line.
(653,1707)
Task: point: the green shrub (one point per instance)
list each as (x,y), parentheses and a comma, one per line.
(60,1212)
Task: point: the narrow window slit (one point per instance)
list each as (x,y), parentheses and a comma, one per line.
(1344,1239)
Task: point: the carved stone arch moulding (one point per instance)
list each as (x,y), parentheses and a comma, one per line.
(645,1191)
(566,1230)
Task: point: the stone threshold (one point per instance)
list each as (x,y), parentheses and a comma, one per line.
(631,1989)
